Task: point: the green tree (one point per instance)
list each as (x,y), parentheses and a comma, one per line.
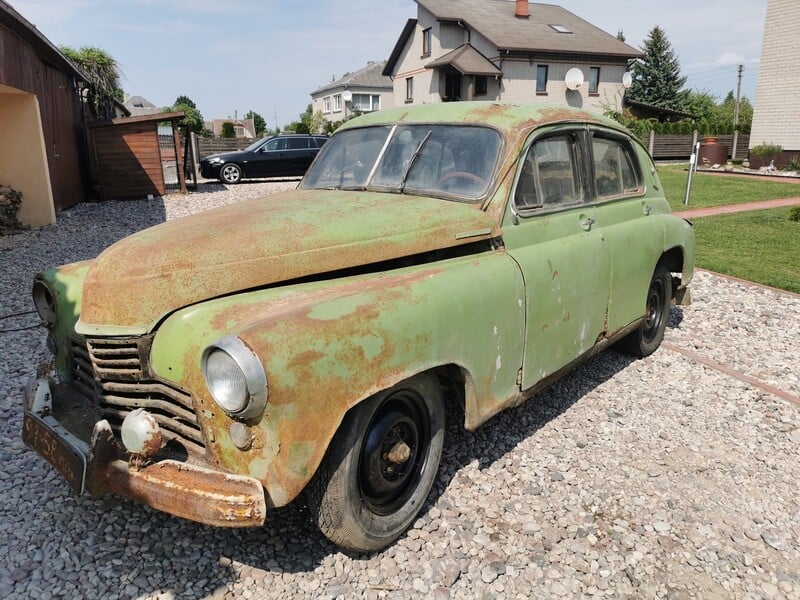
(193,119)
(103,74)
(227,130)
(258,121)
(657,76)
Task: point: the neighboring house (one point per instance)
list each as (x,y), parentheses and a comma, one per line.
(500,50)
(366,90)
(776,113)
(43,151)
(243,128)
(139,106)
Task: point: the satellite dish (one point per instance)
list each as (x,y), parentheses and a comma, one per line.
(347,95)
(574,78)
(627,80)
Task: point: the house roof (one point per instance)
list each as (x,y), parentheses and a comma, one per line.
(43,47)
(467,61)
(139,106)
(497,22)
(370,76)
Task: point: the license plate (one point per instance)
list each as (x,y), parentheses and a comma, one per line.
(53,443)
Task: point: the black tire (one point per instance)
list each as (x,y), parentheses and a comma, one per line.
(361,497)
(230,173)
(648,337)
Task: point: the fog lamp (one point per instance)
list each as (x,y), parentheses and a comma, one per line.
(141,434)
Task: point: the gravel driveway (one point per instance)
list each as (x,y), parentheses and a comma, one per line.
(665,477)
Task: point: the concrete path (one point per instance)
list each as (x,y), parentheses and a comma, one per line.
(734,208)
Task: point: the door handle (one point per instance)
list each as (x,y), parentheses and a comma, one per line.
(647,209)
(587,222)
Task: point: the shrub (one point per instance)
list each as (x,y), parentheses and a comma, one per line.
(766,149)
(794,163)
(794,214)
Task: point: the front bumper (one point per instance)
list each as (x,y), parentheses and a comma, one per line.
(210,171)
(99,465)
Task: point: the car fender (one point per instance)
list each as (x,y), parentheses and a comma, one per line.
(328,345)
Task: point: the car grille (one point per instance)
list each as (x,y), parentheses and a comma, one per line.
(111,371)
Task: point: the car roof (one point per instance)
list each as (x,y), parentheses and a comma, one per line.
(503,115)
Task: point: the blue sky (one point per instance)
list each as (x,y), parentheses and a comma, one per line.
(269,55)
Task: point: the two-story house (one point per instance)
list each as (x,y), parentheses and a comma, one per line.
(777,105)
(507,50)
(362,91)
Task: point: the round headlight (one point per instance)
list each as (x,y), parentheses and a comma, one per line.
(45,303)
(235,377)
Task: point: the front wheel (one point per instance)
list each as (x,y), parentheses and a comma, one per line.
(648,337)
(380,466)
(230,173)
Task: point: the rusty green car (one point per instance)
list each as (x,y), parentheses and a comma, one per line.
(302,345)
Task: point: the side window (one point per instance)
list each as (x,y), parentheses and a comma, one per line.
(275,144)
(297,143)
(615,173)
(550,174)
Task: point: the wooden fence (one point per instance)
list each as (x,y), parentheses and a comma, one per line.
(678,147)
(661,146)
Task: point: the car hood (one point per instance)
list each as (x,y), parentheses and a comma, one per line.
(226,156)
(142,278)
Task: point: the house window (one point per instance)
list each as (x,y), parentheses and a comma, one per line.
(426,42)
(560,28)
(594,80)
(409,89)
(541,79)
(366,102)
(326,104)
(480,85)
(337,103)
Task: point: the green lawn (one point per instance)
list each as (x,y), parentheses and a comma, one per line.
(761,246)
(716,190)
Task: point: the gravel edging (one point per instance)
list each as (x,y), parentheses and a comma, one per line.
(653,478)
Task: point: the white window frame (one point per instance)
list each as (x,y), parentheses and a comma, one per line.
(337,103)
(326,104)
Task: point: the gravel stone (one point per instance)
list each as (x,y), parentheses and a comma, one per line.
(676,479)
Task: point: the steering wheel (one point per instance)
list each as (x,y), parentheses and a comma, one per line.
(462,175)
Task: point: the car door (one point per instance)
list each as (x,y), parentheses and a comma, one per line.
(625,213)
(298,155)
(269,160)
(552,237)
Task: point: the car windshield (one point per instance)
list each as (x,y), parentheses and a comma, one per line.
(257,143)
(448,160)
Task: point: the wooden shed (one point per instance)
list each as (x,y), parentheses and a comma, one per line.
(138,156)
(43,152)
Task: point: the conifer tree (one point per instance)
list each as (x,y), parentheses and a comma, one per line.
(657,76)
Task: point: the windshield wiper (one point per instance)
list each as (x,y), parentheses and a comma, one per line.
(413,159)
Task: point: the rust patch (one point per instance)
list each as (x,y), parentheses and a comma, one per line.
(192,492)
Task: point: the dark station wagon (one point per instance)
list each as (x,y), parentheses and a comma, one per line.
(285,155)
(303,343)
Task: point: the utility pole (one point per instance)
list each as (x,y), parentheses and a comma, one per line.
(738,94)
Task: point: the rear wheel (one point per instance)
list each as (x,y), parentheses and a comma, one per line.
(648,337)
(230,173)
(380,466)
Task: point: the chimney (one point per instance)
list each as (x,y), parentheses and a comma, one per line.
(522,9)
